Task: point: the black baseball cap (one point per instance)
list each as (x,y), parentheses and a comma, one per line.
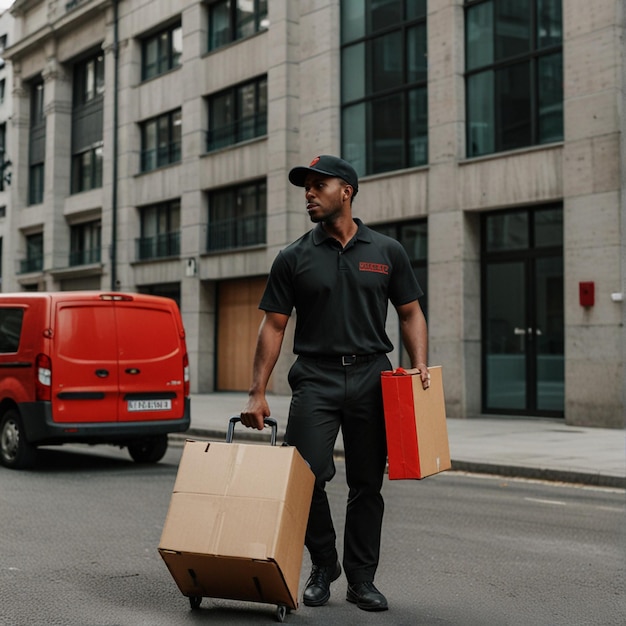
(329,166)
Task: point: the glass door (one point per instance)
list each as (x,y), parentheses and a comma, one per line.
(522,348)
(505,346)
(548,335)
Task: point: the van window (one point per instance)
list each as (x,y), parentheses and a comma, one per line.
(10,329)
(86,332)
(147,333)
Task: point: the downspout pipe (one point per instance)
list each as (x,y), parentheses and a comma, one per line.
(116,55)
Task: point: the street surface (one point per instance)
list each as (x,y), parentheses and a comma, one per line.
(79,537)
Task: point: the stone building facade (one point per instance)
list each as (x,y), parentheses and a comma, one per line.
(150,144)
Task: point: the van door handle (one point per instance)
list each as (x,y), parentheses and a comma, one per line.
(102,373)
(132,370)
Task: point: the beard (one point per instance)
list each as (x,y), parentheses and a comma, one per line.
(327,218)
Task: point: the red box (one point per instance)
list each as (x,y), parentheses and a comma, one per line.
(586,293)
(415,421)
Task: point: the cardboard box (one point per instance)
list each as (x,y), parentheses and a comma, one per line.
(236,522)
(415,421)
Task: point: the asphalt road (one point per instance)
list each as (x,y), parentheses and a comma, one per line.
(79,537)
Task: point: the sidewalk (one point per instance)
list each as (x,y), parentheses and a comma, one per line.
(523,447)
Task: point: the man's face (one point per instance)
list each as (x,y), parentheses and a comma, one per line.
(325,197)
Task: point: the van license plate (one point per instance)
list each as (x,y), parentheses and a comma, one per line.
(149,405)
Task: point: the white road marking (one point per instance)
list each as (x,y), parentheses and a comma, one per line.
(541,501)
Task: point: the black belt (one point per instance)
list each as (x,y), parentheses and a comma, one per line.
(345,360)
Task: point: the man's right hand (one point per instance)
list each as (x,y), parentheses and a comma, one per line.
(255,412)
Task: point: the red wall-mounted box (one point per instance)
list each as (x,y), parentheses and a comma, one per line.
(586,293)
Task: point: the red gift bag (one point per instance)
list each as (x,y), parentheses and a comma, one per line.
(415,421)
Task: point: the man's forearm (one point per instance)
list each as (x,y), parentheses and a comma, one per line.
(415,340)
(268,346)
(414,333)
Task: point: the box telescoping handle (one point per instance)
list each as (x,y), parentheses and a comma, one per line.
(269,421)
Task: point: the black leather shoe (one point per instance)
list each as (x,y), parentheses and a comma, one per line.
(317,591)
(367,597)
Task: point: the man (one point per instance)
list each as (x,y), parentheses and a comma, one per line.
(339,278)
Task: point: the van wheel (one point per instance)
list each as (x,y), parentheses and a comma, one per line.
(150,450)
(15,451)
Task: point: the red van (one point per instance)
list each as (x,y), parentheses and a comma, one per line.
(91,367)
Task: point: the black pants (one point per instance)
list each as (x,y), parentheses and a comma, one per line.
(328,396)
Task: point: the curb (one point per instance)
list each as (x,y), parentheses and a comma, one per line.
(541,473)
(494,469)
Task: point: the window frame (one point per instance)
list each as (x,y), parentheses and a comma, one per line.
(237,130)
(33,262)
(166,59)
(4,162)
(37,143)
(87,176)
(229,233)
(3,46)
(233,34)
(87,122)
(167,152)
(88,82)
(361,109)
(36,183)
(165,241)
(532,59)
(85,243)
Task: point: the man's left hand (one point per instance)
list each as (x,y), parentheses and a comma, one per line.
(422,370)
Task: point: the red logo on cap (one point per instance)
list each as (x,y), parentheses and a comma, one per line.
(314,161)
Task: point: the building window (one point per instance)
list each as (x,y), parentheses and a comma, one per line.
(230,20)
(160,231)
(35,183)
(237,217)
(161,52)
(37,115)
(34,254)
(160,141)
(514,74)
(383,85)
(89,79)
(4,161)
(85,243)
(87,170)
(37,144)
(87,123)
(3,45)
(2,89)
(413,236)
(237,114)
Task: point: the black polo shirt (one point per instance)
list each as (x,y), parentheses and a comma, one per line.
(340,294)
